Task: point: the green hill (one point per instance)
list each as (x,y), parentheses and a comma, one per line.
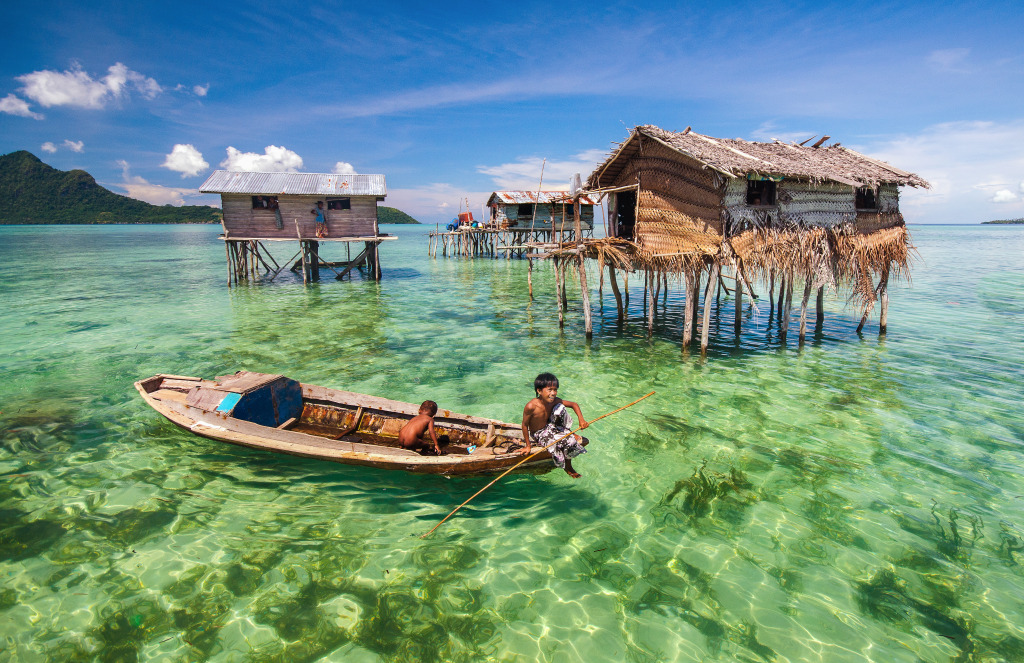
(392,215)
(1007,221)
(33,192)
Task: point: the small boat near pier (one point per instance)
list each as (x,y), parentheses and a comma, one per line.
(278,414)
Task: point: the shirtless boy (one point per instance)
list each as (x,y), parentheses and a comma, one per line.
(545,419)
(411,435)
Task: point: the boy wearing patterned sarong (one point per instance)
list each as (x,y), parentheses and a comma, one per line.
(546,419)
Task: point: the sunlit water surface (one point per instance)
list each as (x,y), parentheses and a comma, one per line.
(856,499)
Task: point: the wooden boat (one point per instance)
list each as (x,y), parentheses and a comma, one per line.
(275,413)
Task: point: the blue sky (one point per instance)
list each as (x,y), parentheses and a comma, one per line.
(454,101)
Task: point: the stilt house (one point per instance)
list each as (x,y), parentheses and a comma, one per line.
(542,210)
(261,207)
(692,205)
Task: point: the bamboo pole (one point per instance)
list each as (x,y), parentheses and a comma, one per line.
(539,451)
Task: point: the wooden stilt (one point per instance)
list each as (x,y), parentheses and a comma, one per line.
(788,306)
(565,285)
(615,291)
(588,320)
(771,295)
(819,306)
(652,277)
(529,276)
(625,289)
(738,321)
(883,316)
(688,310)
(558,293)
(803,309)
(227,252)
(706,322)
(782,298)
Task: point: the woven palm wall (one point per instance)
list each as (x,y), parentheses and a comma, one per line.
(679,208)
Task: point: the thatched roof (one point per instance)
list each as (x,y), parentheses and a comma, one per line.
(735,157)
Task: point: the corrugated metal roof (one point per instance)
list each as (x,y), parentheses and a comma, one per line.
(312,184)
(513,197)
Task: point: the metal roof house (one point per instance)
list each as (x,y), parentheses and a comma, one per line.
(542,210)
(260,207)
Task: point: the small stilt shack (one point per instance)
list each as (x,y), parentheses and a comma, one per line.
(541,210)
(773,213)
(276,207)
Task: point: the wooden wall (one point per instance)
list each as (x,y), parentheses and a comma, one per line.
(241,220)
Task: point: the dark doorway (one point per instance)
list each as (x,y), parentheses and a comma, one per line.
(625,213)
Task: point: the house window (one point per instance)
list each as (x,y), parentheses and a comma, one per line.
(264,202)
(760,192)
(525,209)
(339,203)
(866,199)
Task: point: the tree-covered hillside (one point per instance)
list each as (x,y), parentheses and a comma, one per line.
(392,215)
(33,192)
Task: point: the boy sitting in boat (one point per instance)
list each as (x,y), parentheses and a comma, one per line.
(546,419)
(411,435)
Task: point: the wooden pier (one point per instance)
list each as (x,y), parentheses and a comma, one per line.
(494,242)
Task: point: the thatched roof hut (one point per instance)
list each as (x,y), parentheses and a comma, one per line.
(689,204)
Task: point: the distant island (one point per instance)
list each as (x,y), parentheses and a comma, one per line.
(1006,221)
(32,192)
(392,215)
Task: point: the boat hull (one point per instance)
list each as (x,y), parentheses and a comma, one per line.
(345,427)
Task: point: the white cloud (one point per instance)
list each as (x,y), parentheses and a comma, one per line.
(343,168)
(1004,196)
(524,175)
(274,160)
(74,145)
(185,159)
(49,147)
(949,59)
(437,203)
(16,106)
(967,163)
(156,194)
(201,90)
(1022,187)
(75,87)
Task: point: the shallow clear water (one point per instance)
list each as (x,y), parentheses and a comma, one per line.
(857,499)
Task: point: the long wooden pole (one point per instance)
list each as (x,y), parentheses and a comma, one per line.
(591,423)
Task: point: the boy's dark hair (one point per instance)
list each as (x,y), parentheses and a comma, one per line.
(431,407)
(545,380)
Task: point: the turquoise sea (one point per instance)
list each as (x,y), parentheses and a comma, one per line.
(857,499)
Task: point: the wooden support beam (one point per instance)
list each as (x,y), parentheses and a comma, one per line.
(359,259)
(787,308)
(688,309)
(706,322)
(738,320)
(803,309)
(883,318)
(615,290)
(819,305)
